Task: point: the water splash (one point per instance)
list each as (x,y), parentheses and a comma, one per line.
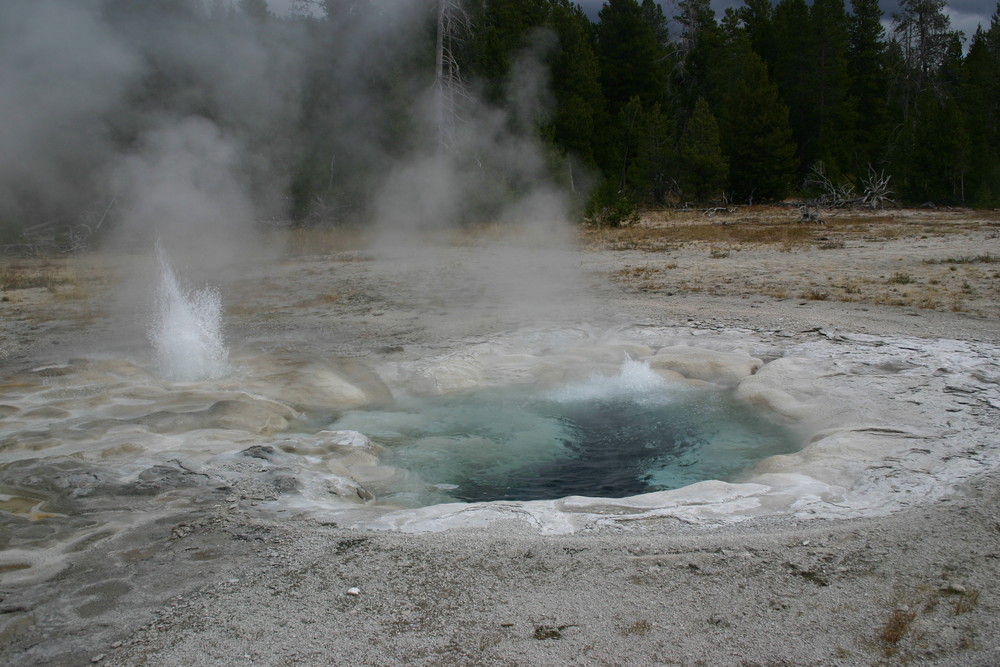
(186,332)
(636,380)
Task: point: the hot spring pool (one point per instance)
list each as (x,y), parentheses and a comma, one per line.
(608,437)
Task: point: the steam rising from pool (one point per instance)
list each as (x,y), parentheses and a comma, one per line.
(611,437)
(186,332)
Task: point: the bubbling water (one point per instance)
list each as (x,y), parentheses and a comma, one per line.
(609,436)
(186,332)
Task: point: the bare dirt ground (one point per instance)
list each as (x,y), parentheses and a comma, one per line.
(209,582)
(926,260)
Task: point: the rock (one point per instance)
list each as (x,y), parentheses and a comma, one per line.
(838,458)
(348,442)
(767,388)
(324,443)
(447,377)
(246,413)
(347,489)
(697,363)
(265,452)
(47,413)
(256,415)
(329,386)
(354,591)
(7,411)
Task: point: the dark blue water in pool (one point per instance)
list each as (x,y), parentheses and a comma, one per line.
(607,437)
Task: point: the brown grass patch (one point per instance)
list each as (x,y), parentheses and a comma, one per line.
(966,602)
(642,277)
(640,628)
(322,241)
(777,225)
(895,628)
(815,294)
(72,293)
(985,258)
(660,238)
(29,275)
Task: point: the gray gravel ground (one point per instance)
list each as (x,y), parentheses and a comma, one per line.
(205,582)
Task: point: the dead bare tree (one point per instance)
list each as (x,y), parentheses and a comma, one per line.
(453,26)
(832,194)
(877,193)
(65,234)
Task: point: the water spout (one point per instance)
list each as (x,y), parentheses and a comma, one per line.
(186,332)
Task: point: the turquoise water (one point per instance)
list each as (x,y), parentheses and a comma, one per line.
(606,437)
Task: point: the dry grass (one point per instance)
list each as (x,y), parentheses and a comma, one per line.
(33,274)
(303,242)
(986,258)
(763,225)
(644,277)
(815,294)
(881,258)
(640,628)
(897,625)
(966,602)
(655,239)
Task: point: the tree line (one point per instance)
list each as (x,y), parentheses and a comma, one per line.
(756,106)
(633,109)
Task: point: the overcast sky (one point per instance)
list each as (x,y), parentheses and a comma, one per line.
(965,14)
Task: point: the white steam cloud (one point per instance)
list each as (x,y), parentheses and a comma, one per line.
(187,126)
(63,72)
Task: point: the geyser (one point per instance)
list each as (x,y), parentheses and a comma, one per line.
(186,332)
(609,437)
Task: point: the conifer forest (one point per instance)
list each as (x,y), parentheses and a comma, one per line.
(636,108)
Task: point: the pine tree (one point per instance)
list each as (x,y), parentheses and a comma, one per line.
(980,99)
(704,170)
(923,32)
(755,132)
(791,68)
(649,174)
(869,84)
(630,120)
(756,17)
(632,61)
(575,77)
(502,30)
(832,139)
(652,14)
(699,50)
(934,151)
(255,9)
